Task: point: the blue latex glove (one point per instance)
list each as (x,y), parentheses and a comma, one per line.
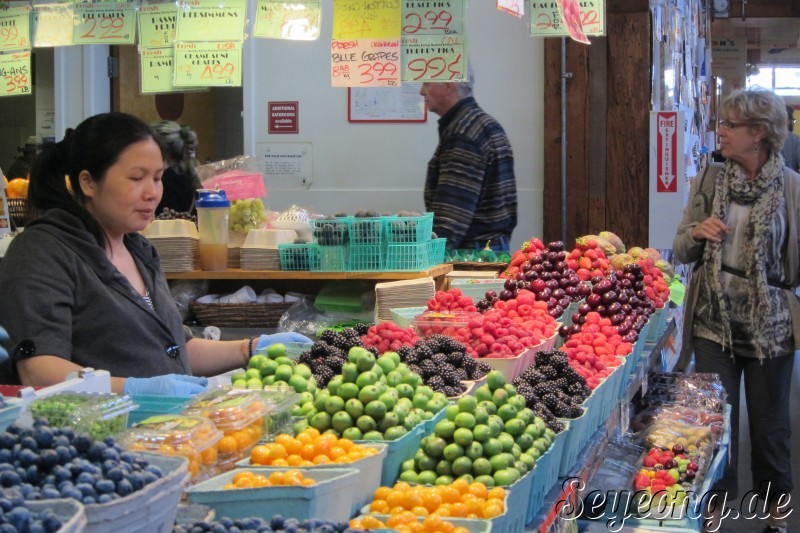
(282,337)
(3,338)
(167,385)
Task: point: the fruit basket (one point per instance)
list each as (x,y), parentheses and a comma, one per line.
(412,256)
(331,496)
(366,257)
(255,315)
(99,415)
(332,259)
(69,512)
(409,230)
(299,256)
(545,473)
(10,412)
(368,230)
(331,232)
(397,451)
(473,525)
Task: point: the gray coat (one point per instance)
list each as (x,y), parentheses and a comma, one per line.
(62,296)
(688,250)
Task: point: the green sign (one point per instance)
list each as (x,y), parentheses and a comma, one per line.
(277,19)
(155,70)
(208,64)
(15,28)
(366,19)
(210,20)
(422,17)
(546,20)
(105,23)
(52,25)
(434,58)
(15,73)
(157,25)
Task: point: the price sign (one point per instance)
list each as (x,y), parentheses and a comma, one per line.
(157,25)
(428,58)
(277,19)
(105,23)
(52,25)
(512,7)
(15,28)
(155,68)
(366,19)
(209,64)
(365,63)
(547,20)
(433,18)
(15,70)
(210,20)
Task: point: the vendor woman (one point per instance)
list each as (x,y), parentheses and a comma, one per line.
(81,288)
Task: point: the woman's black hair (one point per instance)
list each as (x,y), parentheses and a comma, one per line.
(94,146)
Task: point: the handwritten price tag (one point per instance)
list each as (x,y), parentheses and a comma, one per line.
(365,63)
(433,18)
(15,28)
(210,20)
(366,19)
(105,23)
(434,58)
(156,69)
(547,21)
(277,19)
(157,25)
(52,25)
(217,64)
(512,7)
(15,73)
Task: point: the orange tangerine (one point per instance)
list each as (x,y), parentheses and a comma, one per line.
(308,452)
(294,460)
(305,463)
(321,460)
(277,477)
(431,499)
(227,444)
(458,510)
(478,489)
(460,529)
(370,522)
(491,510)
(261,454)
(398,509)
(312,432)
(403,517)
(304,438)
(461,485)
(450,494)
(345,444)
(209,455)
(281,462)
(498,493)
(395,499)
(355,523)
(379,506)
(401,485)
(244,474)
(381,493)
(419,511)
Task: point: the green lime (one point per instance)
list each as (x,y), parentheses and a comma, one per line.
(387,364)
(394,378)
(481,466)
(366,424)
(356,351)
(302,370)
(489,407)
(450,412)
(408,464)
(528,461)
(518,401)
(465,420)
(506,477)
(256,361)
(365,361)
(372,435)
(481,415)
(483,394)
(352,433)
(515,427)
(435,446)
(321,421)
(276,350)
(389,399)
(283,360)
(425,390)
(341,421)
(426,477)
(354,408)
(405,390)
(409,476)
(507,441)
(254,384)
(368,394)
(334,404)
(481,433)
(253,373)
(492,447)
(298,383)
(444,480)
(500,397)
(463,436)
(426,462)
(239,376)
(334,384)
(444,429)
(495,380)
(444,468)
(453,451)
(366,378)
(394,432)
(348,391)
(486,479)
(389,420)
(524,441)
(462,465)
(349,372)
(474,451)
(467,404)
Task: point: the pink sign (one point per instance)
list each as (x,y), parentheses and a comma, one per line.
(238,184)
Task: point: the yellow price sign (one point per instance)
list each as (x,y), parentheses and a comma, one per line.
(157,25)
(15,73)
(52,25)
(210,20)
(278,19)
(432,58)
(366,19)
(15,28)
(208,64)
(548,21)
(433,18)
(155,70)
(105,23)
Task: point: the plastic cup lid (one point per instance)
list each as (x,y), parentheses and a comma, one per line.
(211,198)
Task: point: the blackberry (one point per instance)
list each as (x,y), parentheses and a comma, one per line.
(545,387)
(543,412)
(451,391)
(548,371)
(543,358)
(436,383)
(305,358)
(436,342)
(455,358)
(578,390)
(363,328)
(576,411)
(333,351)
(559,362)
(319,348)
(415,369)
(561,383)
(462,374)
(335,364)
(556,426)
(405,352)
(411,358)
(448,374)
(572,376)
(423,350)
(550,401)
(562,410)
(439,358)
(428,368)
(323,375)
(373,350)
(484,367)
(327,336)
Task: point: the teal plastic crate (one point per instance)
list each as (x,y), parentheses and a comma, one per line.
(409,230)
(9,413)
(332,259)
(331,497)
(407,257)
(545,473)
(398,451)
(516,515)
(331,231)
(436,248)
(428,425)
(368,230)
(611,392)
(580,430)
(299,257)
(366,257)
(150,405)
(470,524)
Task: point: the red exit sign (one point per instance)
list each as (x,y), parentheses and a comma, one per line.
(284,117)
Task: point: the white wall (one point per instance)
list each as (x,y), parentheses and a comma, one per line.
(382,166)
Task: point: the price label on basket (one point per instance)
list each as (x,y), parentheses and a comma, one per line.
(157,25)
(433,58)
(15,28)
(104,23)
(15,69)
(207,64)
(446,18)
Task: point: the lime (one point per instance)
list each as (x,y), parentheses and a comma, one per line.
(526,415)
(334,404)
(365,361)
(483,393)
(481,432)
(467,404)
(515,427)
(394,378)
(463,436)
(466,477)
(496,425)
(307,408)
(474,451)
(254,383)
(524,441)
(341,421)
(495,380)
(300,426)
(302,370)
(435,446)
(487,480)
(366,424)
(541,444)
(372,435)
(256,361)
(334,384)
(520,467)
(450,412)
(420,401)
(366,378)
(349,372)
(500,397)
(408,464)
(354,408)
(239,384)
(239,376)
(368,394)
(355,352)
(507,441)
(405,390)
(444,480)
(298,383)
(276,350)
(481,466)
(348,391)
(412,379)
(465,420)
(426,462)
(426,477)
(462,465)
(444,429)
(425,390)
(490,407)
(453,451)
(518,401)
(506,477)
(437,403)
(390,419)
(283,360)
(528,461)
(352,433)
(394,433)
(387,364)
(404,403)
(253,373)
(409,476)
(320,421)
(444,468)
(501,461)
(389,399)
(516,451)
(492,447)
(481,415)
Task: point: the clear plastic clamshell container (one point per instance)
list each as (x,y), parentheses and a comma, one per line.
(97,414)
(192,437)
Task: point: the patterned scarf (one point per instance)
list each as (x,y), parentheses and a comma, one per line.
(764,194)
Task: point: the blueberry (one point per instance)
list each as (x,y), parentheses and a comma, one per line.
(29,443)
(9,479)
(48,459)
(124,487)
(96,451)
(137,480)
(277,522)
(226,522)
(155,470)
(50,494)
(32,475)
(85,477)
(234,529)
(14,429)
(6,466)
(87,489)
(198,529)
(61,473)
(5,455)
(110,454)
(70,433)
(65,484)
(37,527)
(88,500)
(114,474)
(63,454)
(7,528)
(44,437)
(105,486)
(27,490)
(104,498)
(127,457)
(52,523)
(148,477)
(72,492)
(19,517)
(28,457)
(60,440)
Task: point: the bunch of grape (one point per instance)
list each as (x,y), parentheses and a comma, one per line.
(246,215)
(171,214)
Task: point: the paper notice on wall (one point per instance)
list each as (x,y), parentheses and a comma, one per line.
(286,165)
(208,64)
(52,25)
(365,63)
(210,20)
(296,21)
(547,19)
(432,58)
(512,7)
(15,73)
(729,59)
(434,18)
(156,66)
(366,19)
(16,28)
(104,23)
(157,24)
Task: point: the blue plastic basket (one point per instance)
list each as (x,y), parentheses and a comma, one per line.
(9,413)
(658,321)
(398,451)
(299,256)
(407,257)
(368,230)
(331,232)
(515,517)
(436,249)
(545,474)
(409,230)
(366,257)
(580,429)
(472,525)
(332,259)
(70,512)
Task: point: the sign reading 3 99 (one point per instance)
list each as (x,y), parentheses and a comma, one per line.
(15,72)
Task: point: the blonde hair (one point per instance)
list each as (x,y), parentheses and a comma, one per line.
(181,143)
(759,107)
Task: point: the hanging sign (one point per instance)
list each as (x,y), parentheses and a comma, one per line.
(366,19)
(548,20)
(667,152)
(365,63)
(210,20)
(15,69)
(512,7)
(283,117)
(431,58)
(208,64)
(52,25)
(279,19)
(105,23)
(156,69)
(15,28)
(729,61)
(157,25)
(433,18)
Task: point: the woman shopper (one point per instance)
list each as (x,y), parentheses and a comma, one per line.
(741,316)
(180,179)
(82,288)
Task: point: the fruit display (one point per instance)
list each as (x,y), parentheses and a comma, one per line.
(331,231)
(451,300)
(552,388)
(409,227)
(613,240)
(309,448)
(99,415)
(459,499)
(276,523)
(326,356)
(595,351)
(192,437)
(528,249)
(46,463)
(15,516)
(247,479)
(171,214)
(443,363)
(655,286)
(385,336)
(690,438)
(17,188)
(491,437)
(588,259)
(275,368)
(406,522)
(246,214)
(372,400)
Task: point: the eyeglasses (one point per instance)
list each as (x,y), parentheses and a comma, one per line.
(729,125)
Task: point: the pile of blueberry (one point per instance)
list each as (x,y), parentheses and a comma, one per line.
(260,525)
(15,515)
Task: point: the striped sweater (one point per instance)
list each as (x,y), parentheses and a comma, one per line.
(470,186)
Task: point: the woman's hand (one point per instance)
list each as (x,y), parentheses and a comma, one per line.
(167,385)
(711,229)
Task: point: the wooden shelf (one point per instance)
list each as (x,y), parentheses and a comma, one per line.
(234,274)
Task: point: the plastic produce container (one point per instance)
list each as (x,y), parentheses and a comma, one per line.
(194,438)
(150,405)
(70,512)
(99,415)
(239,414)
(9,413)
(279,402)
(398,451)
(473,525)
(331,497)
